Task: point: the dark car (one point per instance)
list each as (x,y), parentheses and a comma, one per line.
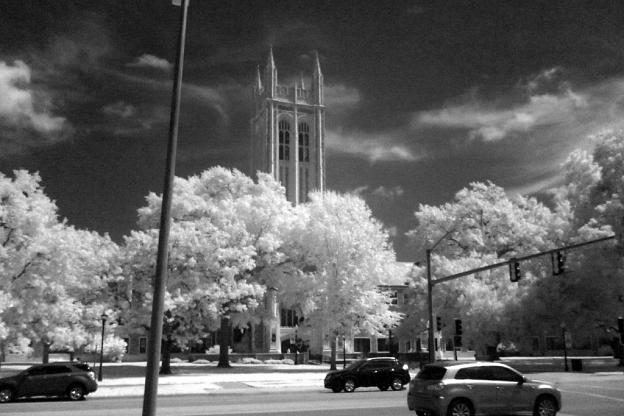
(480,389)
(73,380)
(381,372)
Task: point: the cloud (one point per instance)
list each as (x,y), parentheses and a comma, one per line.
(151,61)
(341,98)
(25,110)
(490,121)
(382,192)
(380,147)
(119,109)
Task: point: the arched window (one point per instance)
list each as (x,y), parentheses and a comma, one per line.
(304,142)
(284,140)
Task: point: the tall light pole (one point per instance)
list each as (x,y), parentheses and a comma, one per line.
(565,347)
(104,317)
(158,304)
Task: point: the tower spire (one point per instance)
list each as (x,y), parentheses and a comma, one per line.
(317,80)
(270,74)
(258,84)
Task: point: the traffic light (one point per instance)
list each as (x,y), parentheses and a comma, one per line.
(621,329)
(561,259)
(458,327)
(438,323)
(514,270)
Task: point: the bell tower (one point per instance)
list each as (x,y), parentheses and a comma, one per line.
(288,130)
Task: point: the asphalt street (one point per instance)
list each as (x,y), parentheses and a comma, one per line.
(584,394)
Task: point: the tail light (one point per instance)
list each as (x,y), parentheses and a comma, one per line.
(405,367)
(436,387)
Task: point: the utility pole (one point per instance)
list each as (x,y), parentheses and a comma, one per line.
(158,303)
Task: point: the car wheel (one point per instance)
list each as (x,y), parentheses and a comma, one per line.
(383,387)
(349,385)
(396,384)
(75,392)
(459,408)
(545,406)
(336,388)
(6,395)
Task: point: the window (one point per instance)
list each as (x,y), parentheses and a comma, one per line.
(58,369)
(288,317)
(361,345)
(503,374)
(142,345)
(304,142)
(431,372)
(284,140)
(382,344)
(468,373)
(394,296)
(303,183)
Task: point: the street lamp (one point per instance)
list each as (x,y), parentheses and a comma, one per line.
(344,352)
(296,347)
(104,316)
(565,347)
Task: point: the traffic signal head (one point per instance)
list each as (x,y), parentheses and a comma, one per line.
(438,323)
(514,270)
(458,327)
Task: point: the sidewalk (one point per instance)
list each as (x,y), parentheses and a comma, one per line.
(128,379)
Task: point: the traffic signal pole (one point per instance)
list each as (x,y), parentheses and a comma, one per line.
(430,348)
(432,282)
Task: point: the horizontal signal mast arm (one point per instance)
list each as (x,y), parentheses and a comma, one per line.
(507,262)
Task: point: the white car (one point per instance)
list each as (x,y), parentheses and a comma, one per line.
(480,388)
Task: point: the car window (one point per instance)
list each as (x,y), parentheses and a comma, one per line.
(472,373)
(503,374)
(354,365)
(378,364)
(58,369)
(431,372)
(36,371)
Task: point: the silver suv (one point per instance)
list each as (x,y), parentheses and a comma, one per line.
(479,389)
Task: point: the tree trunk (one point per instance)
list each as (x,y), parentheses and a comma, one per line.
(46,352)
(166,356)
(332,364)
(224,343)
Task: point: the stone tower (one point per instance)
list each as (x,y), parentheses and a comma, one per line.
(288,131)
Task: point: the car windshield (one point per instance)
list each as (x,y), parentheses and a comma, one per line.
(431,372)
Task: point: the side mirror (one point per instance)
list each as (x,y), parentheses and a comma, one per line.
(522,380)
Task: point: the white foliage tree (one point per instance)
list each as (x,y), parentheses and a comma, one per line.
(52,275)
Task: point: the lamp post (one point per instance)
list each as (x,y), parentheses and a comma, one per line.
(344,352)
(565,347)
(296,347)
(104,317)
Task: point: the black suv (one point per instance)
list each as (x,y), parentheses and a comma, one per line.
(382,372)
(74,380)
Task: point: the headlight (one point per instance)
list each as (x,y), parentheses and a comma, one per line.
(405,367)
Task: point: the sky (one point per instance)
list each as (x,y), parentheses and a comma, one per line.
(422,97)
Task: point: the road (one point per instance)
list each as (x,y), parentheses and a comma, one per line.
(583,395)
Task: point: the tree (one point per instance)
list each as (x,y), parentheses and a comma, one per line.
(347,255)
(52,273)
(225,231)
(483,226)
